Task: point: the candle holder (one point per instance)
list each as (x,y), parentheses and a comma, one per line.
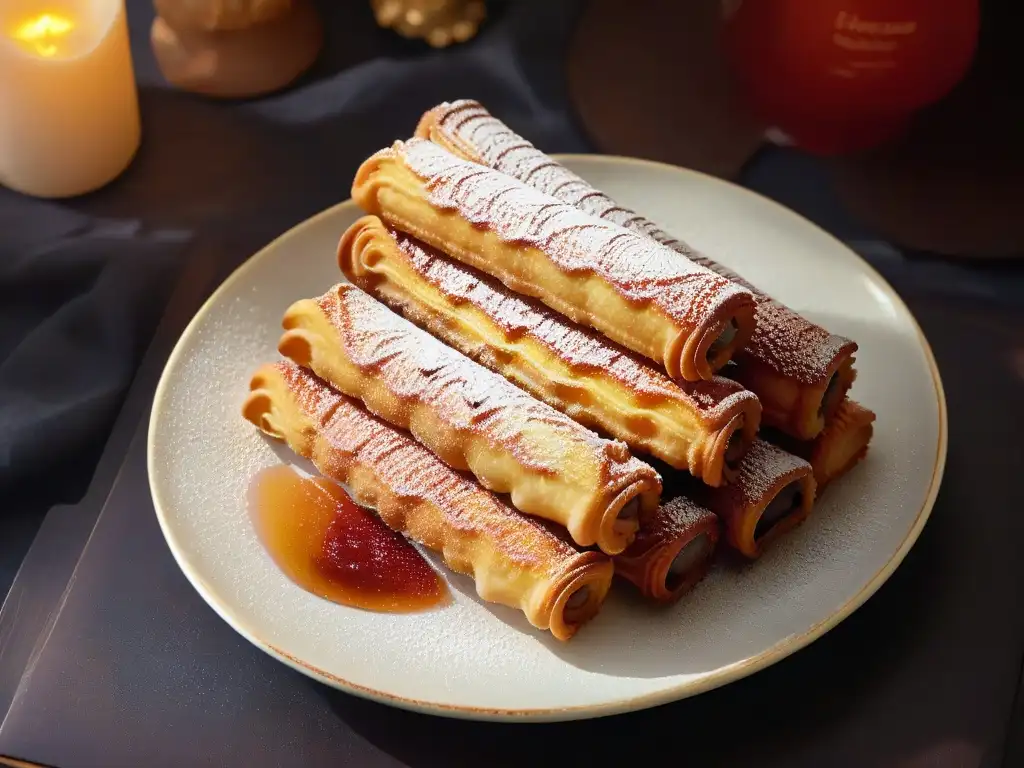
(69,111)
(235,48)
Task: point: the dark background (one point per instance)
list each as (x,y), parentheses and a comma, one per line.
(110,642)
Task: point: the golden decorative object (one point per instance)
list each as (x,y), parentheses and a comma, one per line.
(439,22)
(220,15)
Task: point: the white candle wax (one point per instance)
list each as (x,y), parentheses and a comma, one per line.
(69,112)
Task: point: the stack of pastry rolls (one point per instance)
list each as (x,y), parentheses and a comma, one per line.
(801,373)
(514,559)
(507,364)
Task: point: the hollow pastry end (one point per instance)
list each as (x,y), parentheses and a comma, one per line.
(703,353)
(429,127)
(360,247)
(731,444)
(689,564)
(802,411)
(724,341)
(788,505)
(268,409)
(839,384)
(672,552)
(684,561)
(580,594)
(627,512)
(368,181)
(773,492)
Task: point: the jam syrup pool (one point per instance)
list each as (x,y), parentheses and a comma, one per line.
(330,546)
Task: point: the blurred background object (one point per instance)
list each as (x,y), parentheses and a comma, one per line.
(841,75)
(235,48)
(439,22)
(666,93)
(69,107)
(220,15)
(922,145)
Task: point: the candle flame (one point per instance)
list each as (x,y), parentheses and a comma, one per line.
(43,32)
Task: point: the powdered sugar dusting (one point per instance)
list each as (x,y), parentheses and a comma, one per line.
(316,402)
(471,654)
(793,346)
(415,366)
(763,466)
(675,518)
(578,347)
(412,472)
(639,269)
(499,147)
(782,339)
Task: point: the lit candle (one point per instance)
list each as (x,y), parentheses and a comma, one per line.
(69,112)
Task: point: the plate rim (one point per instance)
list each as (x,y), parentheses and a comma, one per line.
(716,679)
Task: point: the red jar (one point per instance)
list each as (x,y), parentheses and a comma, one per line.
(838,75)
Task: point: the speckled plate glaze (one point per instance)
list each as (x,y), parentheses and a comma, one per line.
(475,660)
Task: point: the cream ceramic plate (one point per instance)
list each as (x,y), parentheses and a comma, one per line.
(474,660)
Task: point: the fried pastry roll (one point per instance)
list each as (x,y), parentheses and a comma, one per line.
(633,290)
(704,427)
(473,419)
(514,559)
(798,370)
(840,447)
(773,493)
(672,552)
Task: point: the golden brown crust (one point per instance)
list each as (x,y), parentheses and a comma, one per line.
(843,443)
(598,274)
(839,448)
(648,562)
(451,125)
(471,418)
(799,410)
(689,425)
(783,346)
(515,560)
(764,473)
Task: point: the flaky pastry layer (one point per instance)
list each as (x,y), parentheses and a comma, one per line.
(673,552)
(788,361)
(840,447)
(704,427)
(472,418)
(514,560)
(633,290)
(800,410)
(773,493)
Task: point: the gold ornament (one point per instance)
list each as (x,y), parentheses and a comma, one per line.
(439,22)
